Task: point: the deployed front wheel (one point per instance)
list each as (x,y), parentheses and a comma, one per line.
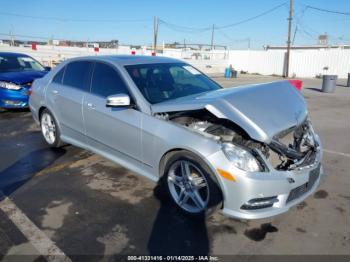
(191,184)
(50,129)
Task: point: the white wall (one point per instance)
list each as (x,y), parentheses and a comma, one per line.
(50,55)
(311,62)
(303,63)
(256,61)
(53,54)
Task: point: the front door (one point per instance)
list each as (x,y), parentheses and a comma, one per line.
(118,129)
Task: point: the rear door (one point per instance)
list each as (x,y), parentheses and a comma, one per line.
(110,129)
(69,98)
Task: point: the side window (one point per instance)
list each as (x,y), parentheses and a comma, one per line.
(106,81)
(77,75)
(59,76)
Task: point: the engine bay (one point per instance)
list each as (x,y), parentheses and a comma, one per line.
(290,149)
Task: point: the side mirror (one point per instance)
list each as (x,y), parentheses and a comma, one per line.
(47,68)
(119,100)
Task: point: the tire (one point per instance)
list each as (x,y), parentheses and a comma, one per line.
(198,193)
(49,129)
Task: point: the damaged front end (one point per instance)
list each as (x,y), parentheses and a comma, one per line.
(265,142)
(293,149)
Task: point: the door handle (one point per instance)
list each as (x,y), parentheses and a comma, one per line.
(90,105)
(55,92)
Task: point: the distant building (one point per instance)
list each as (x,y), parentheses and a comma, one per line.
(104,44)
(172,45)
(108,44)
(53,42)
(100,44)
(306,47)
(323,39)
(63,43)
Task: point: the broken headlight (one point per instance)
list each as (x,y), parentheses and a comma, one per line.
(10,86)
(240,158)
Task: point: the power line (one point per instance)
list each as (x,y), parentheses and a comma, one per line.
(327,10)
(306,30)
(45,38)
(253,17)
(298,22)
(61,19)
(181,28)
(232,40)
(27,36)
(308,34)
(225,35)
(186,29)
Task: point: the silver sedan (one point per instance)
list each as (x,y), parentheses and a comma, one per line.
(250,151)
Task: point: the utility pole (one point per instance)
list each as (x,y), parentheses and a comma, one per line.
(12,42)
(248,43)
(212,38)
(290,18)
(10,35)
(155,33)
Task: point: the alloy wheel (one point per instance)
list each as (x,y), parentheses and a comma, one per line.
(188,186)
(48,128)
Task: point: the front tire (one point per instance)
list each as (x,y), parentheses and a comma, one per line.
(50,129)
(191,184)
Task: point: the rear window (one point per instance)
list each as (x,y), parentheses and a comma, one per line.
(59,76)
(77,74)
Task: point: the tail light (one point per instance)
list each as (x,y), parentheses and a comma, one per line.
(30,91)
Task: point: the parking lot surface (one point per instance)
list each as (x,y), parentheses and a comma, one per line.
(70,202)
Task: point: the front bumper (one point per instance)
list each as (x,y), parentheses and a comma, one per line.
(14,98)
(288,187)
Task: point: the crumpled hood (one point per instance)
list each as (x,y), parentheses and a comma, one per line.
(21,77)
(262,110)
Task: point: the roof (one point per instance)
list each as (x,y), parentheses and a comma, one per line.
(12,54)
(131,59)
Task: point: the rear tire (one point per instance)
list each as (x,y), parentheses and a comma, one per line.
(50,129)
(191,185)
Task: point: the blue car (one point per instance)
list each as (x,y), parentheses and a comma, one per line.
(17,72)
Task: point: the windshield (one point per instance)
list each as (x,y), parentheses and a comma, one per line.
(13,63)
(165,81)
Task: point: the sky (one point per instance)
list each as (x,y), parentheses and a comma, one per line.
(131,22)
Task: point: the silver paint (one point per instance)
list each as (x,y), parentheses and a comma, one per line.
(136,139)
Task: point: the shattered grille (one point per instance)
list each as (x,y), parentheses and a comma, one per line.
(288,139)
(293,148)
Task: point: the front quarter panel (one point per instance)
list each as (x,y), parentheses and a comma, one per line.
(160,136)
